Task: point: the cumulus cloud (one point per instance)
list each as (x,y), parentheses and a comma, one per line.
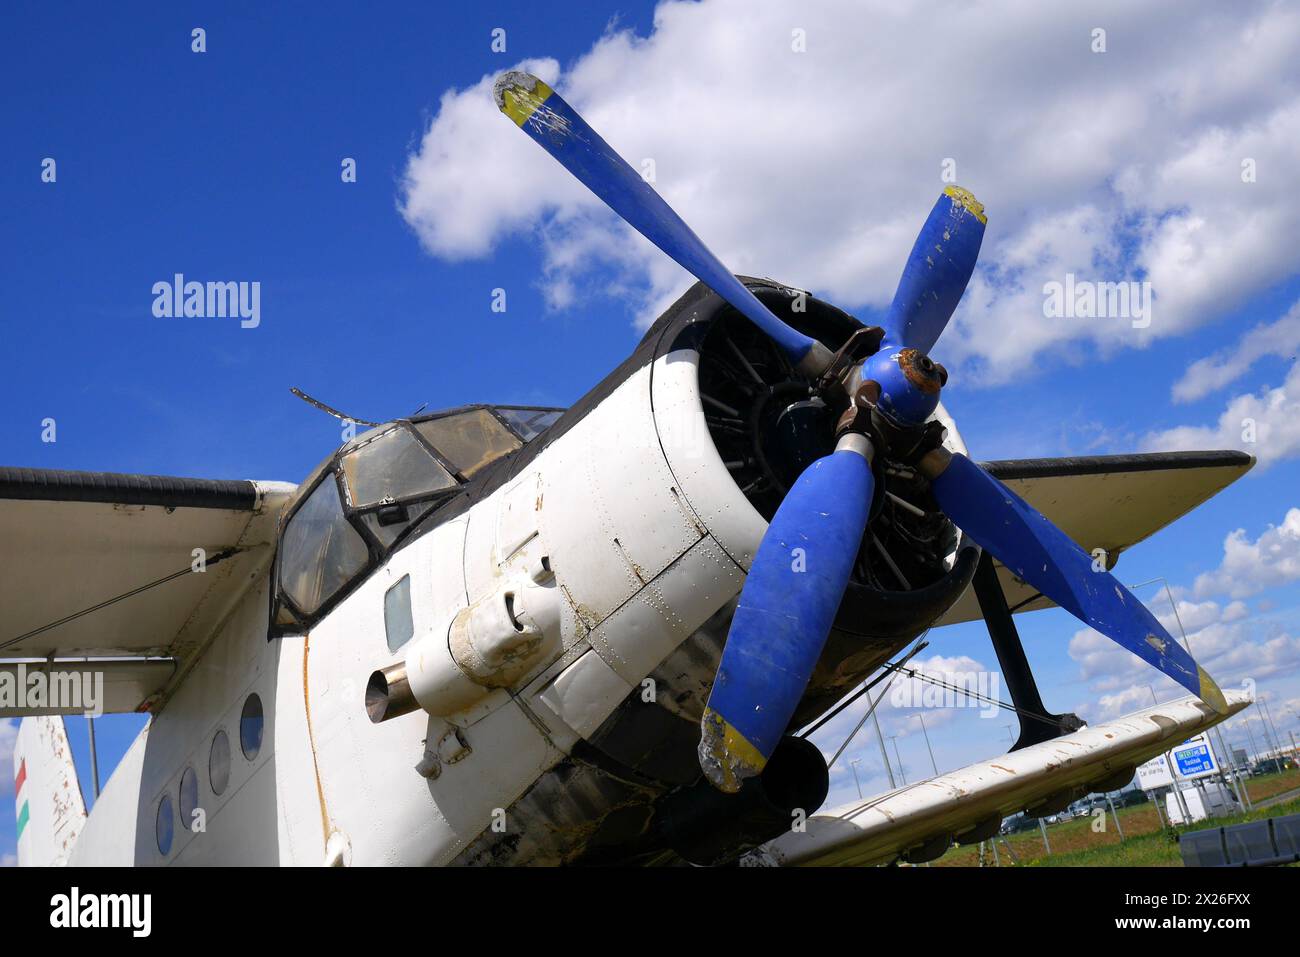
(1222,638)
(1118,703)
(896,712)
(1249,567)
(818,167)
(1280,338)
(1265,423)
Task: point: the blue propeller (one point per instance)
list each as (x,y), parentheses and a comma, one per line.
(802,566)
(935,276)
(786,609)
(1038,552)
(544,115)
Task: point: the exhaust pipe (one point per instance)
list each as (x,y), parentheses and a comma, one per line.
(388,694)
(487,645)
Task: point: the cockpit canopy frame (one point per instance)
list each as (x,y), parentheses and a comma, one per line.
(364,502)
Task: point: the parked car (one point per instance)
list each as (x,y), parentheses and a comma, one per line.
(1017,823)
(1131,797)
(1272,766)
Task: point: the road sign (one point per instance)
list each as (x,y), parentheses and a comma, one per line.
(1192,759)
(1154,774)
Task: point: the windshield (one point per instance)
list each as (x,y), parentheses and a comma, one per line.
(363,500)
(393,466)
(320,551)
(469,440)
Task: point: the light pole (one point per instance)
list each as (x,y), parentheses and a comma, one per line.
(1243,798)
(94,755)
(1251,736)
(1277,745)
(902,773)
(1169,766)
(920,717)
(1291,734)
(884,755)
(854,765)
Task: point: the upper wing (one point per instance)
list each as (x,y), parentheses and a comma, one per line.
(1106,501)
(969,805)
(75,541)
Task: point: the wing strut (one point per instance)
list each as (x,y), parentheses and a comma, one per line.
(1015,666)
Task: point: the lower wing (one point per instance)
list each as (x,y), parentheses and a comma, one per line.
(922,820)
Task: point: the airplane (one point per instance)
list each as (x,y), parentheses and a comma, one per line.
(502,635)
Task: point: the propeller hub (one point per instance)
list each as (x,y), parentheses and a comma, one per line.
(922,371)
(910,382)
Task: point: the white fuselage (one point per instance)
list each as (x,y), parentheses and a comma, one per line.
(647,536)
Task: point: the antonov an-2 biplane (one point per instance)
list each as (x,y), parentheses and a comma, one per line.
(498,635)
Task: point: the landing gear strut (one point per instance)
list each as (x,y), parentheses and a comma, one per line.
(1036,723)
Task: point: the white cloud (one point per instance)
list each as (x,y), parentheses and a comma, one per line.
(1104,662)
(1280,338)
(818,167)
(1222,638)
(1266,424)
(897,717)
(1119,703)
(907,696)
(8,860)
(1250,567)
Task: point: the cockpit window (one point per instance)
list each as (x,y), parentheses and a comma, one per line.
(392,466)
(363,500)
(469,440)
(529,423)
(320,550)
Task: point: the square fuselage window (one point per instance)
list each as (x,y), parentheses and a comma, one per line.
(397,614)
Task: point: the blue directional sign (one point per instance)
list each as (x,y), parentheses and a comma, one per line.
(1194,758)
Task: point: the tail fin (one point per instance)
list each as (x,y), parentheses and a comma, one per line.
(47,795)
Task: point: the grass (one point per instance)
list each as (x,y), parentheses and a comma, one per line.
(1075,843)
(1271,784)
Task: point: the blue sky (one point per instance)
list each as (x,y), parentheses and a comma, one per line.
(376,295)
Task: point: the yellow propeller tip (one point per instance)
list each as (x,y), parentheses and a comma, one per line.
(1210,692)
(966,199)
(726,756)
(518,95)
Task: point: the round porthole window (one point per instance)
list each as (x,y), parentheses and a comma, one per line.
(219,763)
(165,828)
(189,798)
(250,727)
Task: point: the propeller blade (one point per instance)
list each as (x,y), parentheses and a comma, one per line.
(786,609)
(544,115)
(1044,556)
(937,271)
